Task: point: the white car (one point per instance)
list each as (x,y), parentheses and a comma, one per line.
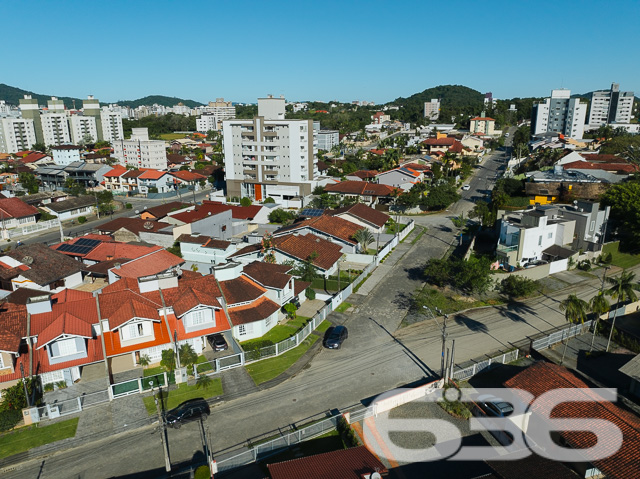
(466,188)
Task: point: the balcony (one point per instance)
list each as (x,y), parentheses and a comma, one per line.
(506,249)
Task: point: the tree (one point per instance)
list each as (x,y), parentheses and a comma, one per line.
(144,360)
(188,356)
(622,288)
(624,199)
(41,147)
(364,237)
(482,211)
(517,287)
(318,190)
(306,271)
(73,187)
(29,182)
(168,360)
(175,249)
(575,311)
(440,197)
(245,201)
(107,208)
(290,309)
(281,216)
(268,248)
(599,305)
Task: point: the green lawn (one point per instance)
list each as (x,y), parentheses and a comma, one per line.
(183,393)
(623,260)
(172,136)
(278,333)
(391,229)
(268,369)
(203,364)
(324,325)
(517,201)
(29,437)
(343,307)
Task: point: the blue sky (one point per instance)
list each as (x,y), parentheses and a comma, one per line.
(344,50)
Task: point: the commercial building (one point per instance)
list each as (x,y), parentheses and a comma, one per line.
(327,139)
(559,114)
(16,134)
(140,151)
(432,109)
(611,106)
(270,156)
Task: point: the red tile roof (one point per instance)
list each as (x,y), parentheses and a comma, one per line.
(362,174)
(333,226)
(446,141)
(364,213)
(32,157)
(379,152)
(152,175)
(302,247)
(64,324)
(615,167)
(213,208)
(16,208)
(256,311)
(133,173)
(13,327)
(482,118)
(134,225)
(161,211)
(360,188)
(542,377)
(116,172)
(109,251)
(268,274)
(349,463)
(188,176)
(154,263)
(241,290)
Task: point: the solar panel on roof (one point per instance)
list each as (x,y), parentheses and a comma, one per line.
(312,212)
(74,249)
(87,242)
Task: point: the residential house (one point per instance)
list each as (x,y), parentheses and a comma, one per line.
(205,249)
(159,268)
(129,182)
(551,232)
(362,191)
(380,118)
(65,154)
(362,175)
(364,216)
(14,213)
(483,125)
(281,286)
(157,180)
(250,310)
(188,178)
(44,198)
(334,229)
(88,175)
(205,221)
(299,249)
(541,378)
(158,213)
(442,144)
(402,178)
(35,159)
(112,180)
(132,229)
(72,208)
(38,267)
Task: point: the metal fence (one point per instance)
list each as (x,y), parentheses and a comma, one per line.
(559,336)
(40,226)
(466,373)
(258,452)
(138,385)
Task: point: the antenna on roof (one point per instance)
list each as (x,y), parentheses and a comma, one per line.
(27,260)
(148,225)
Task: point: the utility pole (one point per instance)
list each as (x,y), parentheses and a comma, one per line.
(444,340)
(163,427)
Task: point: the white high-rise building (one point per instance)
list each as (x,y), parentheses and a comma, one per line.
(208,122)
(141,152)
(214,114)
(111,125)
(16,134)
(559,114)
(83,128)
(55,128)
(270,156)
(327,139)
(611,106)
(432,109)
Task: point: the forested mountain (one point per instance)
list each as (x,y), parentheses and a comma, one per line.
(12,96)
(168,101)
(454,100)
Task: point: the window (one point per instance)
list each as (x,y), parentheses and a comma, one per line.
(135,330)
(2,362)
(242,330)
(540,241)
(198,317)
(550,236)
(66,347)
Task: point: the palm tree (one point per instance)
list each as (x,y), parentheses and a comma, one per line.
(364,237)
(188,356)
(575,311)
(622,288)
(144,360)
(598,305)
(203,381)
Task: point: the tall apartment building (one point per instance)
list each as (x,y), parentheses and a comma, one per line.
(327,139)
(31,111)
(611,106)
(16,134)
(270,156)
(432,109)
(108,120)
(141,152)
(83,127)
(559,114)
(55,127)
(214,114)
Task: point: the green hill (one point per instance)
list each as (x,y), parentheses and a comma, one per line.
(160,100)
(12,96)
(454,100)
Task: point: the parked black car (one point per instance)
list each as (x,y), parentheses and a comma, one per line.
(217,342)
(496,407)
(335,337)
(190,410)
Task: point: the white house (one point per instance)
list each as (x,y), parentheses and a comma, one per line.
(403,178)
(65,154)
(72,208)
(204,249)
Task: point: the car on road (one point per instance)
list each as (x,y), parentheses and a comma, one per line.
(217,342)
(466,188)
(506,135)
(495,407)
(335,337)
(188,411)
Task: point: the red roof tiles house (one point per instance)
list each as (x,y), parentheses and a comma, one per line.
(256,311)
(363,212)
(188,176)
(333,226)
(134,225)
(241,290)
(364,174)
(112,250)
(360,188)
(482,118)
(268,274)
(116,172)
(302,247)
(542,377)
(614,167)
(153,263)
(204,241)
(152,175)
(16,208)
(446,141)
(160,211)
(64,324)
(32,157)
(209,208)
(352,463)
